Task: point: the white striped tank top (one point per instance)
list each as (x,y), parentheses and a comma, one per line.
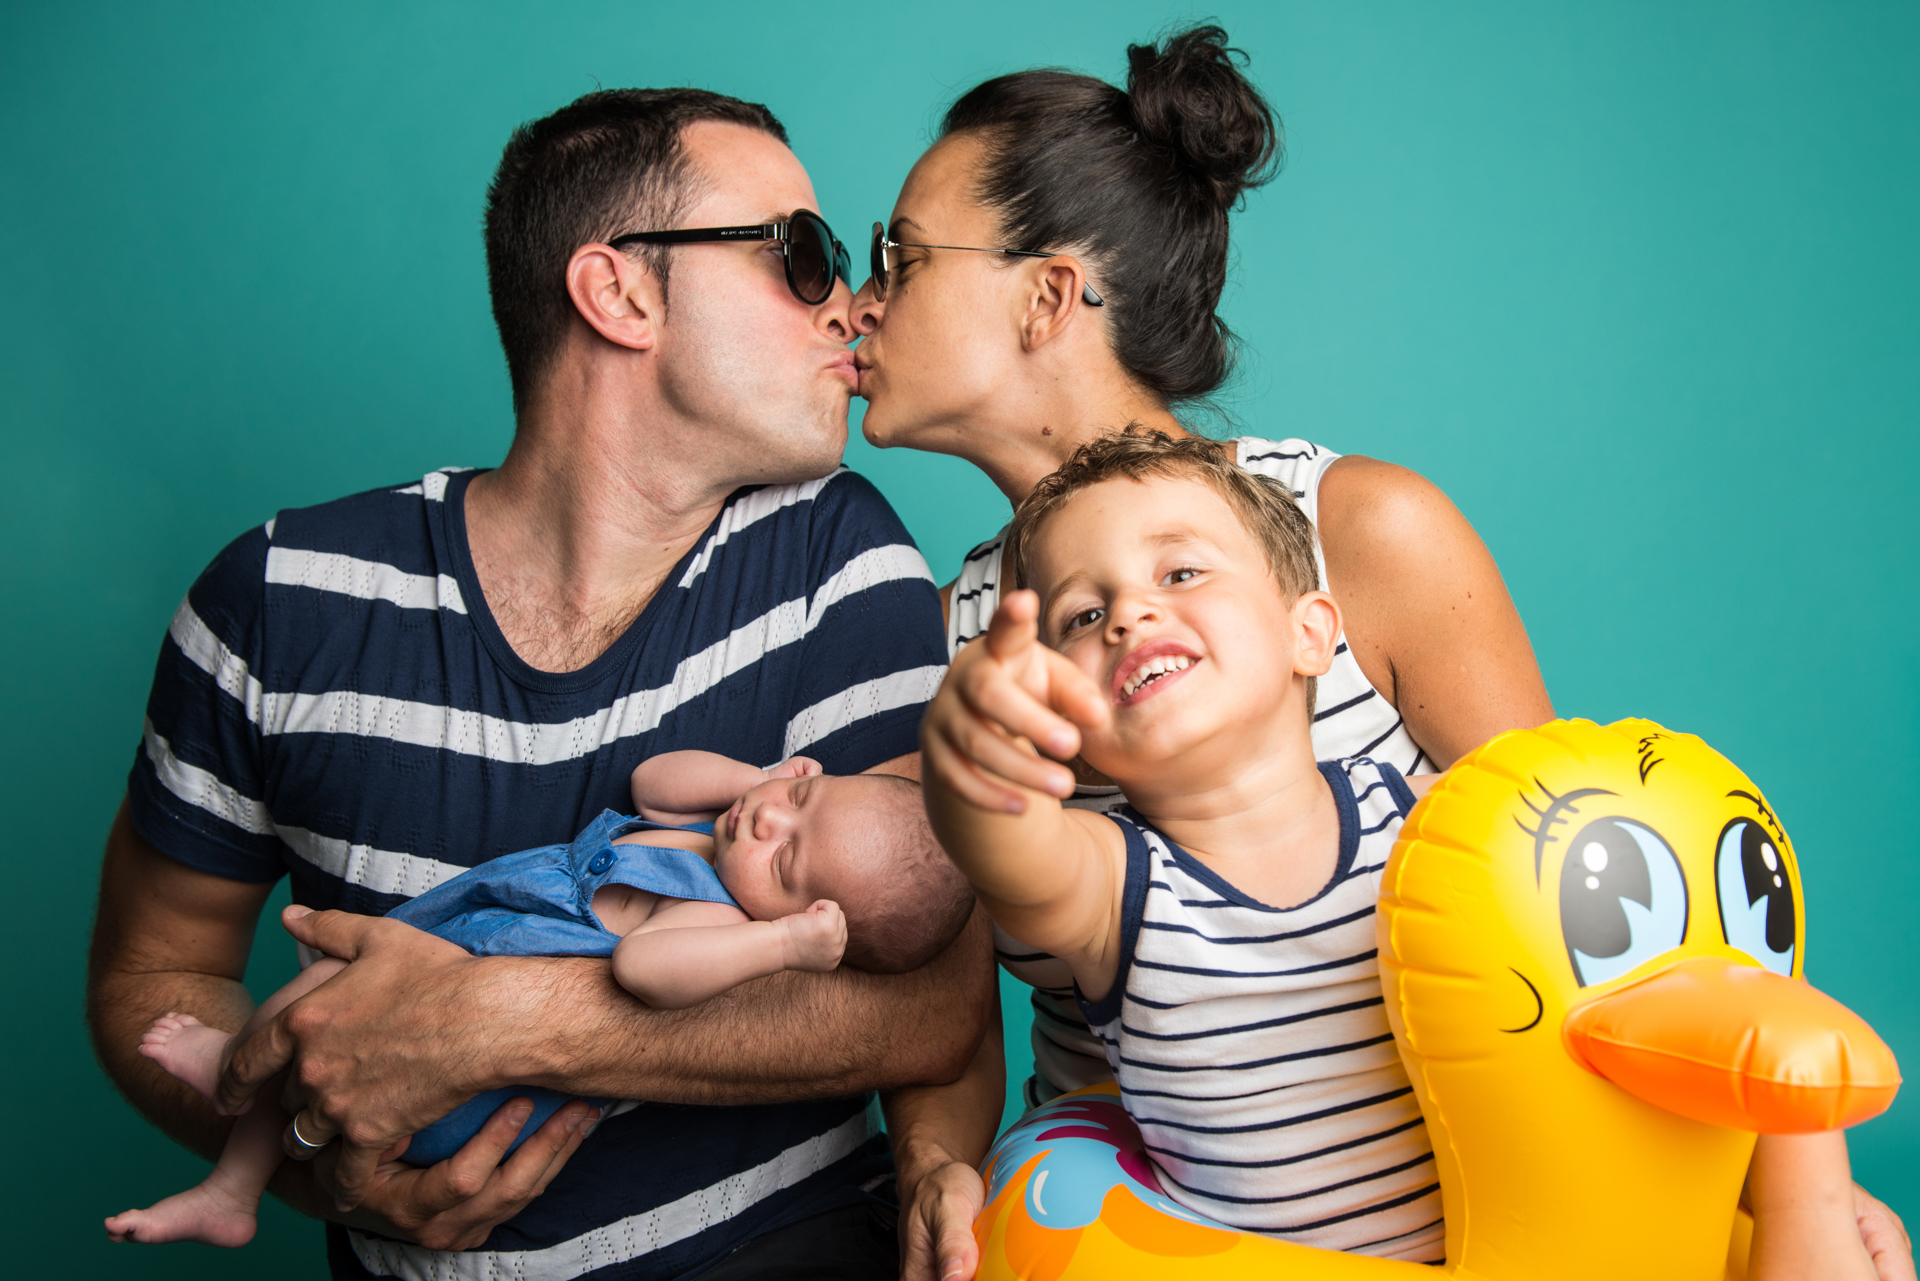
(1351,718)
(1251,1042)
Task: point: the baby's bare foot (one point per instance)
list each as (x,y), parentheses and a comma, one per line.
(188,1049)
(205,1213)
(817,937)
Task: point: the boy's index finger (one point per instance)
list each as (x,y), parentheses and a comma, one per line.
(1015,625)
(1074,694)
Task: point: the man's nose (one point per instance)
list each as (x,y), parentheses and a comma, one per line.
(834,316)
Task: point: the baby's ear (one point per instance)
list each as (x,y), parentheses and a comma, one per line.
(1316,620)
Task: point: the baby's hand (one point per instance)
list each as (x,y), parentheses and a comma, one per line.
(815,938)
(795,767)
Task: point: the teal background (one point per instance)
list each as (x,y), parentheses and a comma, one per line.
(1634,283)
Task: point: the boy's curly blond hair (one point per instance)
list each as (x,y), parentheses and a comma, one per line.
(1266,508)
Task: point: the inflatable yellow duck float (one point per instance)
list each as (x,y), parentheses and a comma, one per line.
(1591,941)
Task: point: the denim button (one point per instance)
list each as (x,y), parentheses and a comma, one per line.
(601,862)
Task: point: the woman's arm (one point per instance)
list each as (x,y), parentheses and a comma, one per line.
(940,1135)
(1427,613)
(692,786)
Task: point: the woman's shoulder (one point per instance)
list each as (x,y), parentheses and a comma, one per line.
(1365,503)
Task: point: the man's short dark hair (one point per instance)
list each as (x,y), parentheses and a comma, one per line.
(608,163)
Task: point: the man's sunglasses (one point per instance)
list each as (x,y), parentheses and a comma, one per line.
(812,254)
(882,262)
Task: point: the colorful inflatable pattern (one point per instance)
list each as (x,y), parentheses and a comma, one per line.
(1591,941)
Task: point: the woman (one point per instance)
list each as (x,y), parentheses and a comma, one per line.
(1051,273)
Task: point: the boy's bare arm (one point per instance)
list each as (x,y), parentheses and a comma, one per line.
(1050,876)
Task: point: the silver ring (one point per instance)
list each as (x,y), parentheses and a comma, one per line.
(298,1148)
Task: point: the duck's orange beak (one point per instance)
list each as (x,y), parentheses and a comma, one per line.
(1736,1046)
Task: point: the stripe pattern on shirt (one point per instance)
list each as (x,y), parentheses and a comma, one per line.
(1251,1043)
(334,701)
(1351,718)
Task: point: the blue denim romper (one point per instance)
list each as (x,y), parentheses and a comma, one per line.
(539,903)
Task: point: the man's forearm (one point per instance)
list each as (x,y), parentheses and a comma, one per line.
(565,1024)
(121,1006)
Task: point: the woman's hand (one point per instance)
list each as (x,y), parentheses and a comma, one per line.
(1884,1236)
(1005,694)
(936,1224)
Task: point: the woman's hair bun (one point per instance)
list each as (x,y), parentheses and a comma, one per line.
(1188,94)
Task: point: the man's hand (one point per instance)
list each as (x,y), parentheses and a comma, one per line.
(1004,692)
(936,1224)
(427,1066)
(455,1204)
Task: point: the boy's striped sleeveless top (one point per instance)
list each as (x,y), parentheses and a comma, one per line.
(1252,1048)
(1351,718)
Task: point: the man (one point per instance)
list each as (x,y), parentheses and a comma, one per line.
(376,693)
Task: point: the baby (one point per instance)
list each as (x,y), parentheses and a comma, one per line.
(730,873)
(1221,931)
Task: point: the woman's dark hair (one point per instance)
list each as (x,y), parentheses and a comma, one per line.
(1140,182)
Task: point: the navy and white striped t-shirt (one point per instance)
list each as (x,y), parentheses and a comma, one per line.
(1251,1042)
(335,702)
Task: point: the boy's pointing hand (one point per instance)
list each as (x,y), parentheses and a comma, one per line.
(1005,694)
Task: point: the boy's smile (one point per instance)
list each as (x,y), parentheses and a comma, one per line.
(1158,591)
(1150,670)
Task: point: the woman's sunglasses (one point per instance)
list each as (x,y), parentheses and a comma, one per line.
(813,257)
(882,262)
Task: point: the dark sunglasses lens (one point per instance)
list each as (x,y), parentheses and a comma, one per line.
(877,262)
(810,258)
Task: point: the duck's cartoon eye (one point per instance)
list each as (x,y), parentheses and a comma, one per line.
(1623,899)
(1757,911)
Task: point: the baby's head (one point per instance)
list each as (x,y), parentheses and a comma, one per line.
(1186,588)
(861,840)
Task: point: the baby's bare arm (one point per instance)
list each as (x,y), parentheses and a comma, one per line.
(690,786)
(690,951)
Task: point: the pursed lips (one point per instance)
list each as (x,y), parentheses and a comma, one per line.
(1149,669)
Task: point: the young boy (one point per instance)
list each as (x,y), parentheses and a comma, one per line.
(731,873)
(1220,931)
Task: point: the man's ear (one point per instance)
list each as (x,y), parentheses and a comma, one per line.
(619,297)
(1316,619)
(1056,298)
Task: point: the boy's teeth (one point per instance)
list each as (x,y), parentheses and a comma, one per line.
(1155,667)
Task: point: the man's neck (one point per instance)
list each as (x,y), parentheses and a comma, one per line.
(574,533)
